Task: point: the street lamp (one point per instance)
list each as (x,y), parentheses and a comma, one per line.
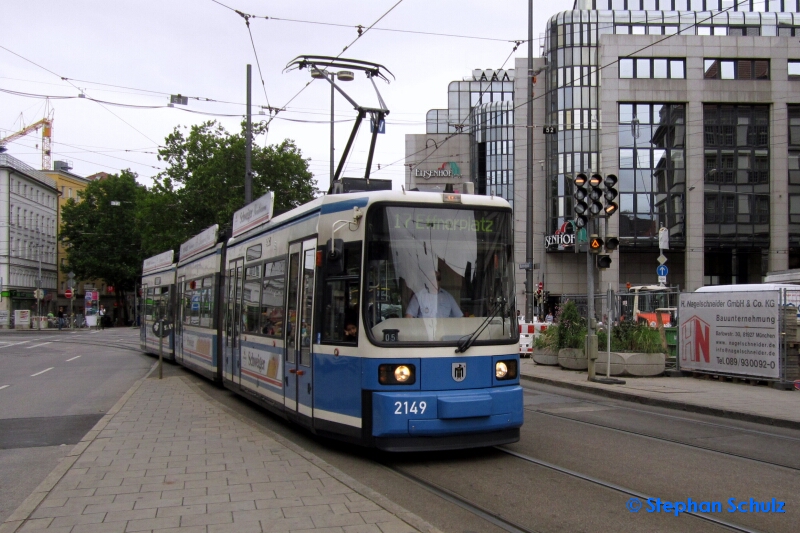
(342,75)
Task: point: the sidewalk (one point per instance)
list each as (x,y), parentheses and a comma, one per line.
(166,458)
(740,401)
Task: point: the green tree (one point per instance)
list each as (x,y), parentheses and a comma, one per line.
(204,182)
(102,240)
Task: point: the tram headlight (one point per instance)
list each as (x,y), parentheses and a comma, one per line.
(504,370)
(397,374)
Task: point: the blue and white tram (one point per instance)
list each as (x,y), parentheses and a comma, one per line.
(158,305)
(382,318)
(199,278)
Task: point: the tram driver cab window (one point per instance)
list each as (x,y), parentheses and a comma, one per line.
(341,298)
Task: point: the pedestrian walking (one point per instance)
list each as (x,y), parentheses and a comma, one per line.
(60,317)
(101,314)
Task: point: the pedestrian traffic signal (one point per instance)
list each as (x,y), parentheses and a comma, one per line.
(579,195)
(611,194)
(603,262)
(595,244)
(612,243)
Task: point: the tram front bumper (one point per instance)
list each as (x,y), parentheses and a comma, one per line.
(440,413)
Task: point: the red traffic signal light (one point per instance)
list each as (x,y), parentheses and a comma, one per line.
(541,285)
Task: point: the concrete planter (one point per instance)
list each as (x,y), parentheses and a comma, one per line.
(544,356)
(572,358)
(631,364)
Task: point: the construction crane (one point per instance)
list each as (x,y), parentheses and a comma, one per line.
(47,133)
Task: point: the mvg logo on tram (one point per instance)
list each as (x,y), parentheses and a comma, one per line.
(696,333)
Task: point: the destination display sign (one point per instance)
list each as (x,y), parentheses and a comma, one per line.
(254,214)
(202,241)
(731,333)
(162,260)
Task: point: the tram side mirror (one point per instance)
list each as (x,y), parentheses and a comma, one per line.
(335,256)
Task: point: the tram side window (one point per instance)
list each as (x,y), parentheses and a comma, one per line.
(148,304)
(341,297)
(272,297)
(207,303)
(251,299)
(162,305)
(191,304)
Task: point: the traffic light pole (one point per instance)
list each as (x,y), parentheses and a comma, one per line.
(591,338)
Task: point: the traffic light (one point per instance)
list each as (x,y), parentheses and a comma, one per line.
(595,244)
(603,262)
(595,194)
(579,195)
(611,194)
(612,243)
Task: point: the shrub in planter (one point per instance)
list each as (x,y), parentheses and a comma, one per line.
(570,331)
(569,337)
(629,337)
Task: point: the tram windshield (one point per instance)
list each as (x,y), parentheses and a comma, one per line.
(438,275)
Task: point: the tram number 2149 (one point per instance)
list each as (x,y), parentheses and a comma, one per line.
(403,408)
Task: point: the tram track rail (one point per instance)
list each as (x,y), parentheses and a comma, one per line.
(505,524)
(460,501)
(665,439)
(619,488)
(653,412)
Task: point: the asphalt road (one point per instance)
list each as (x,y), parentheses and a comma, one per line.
(54,387)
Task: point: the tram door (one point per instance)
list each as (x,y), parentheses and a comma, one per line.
(233,319)
(300,304)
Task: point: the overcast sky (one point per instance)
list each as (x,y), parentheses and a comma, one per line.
(128,56)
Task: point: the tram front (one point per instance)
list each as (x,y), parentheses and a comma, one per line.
(439,310)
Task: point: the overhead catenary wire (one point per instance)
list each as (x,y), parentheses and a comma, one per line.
(359,27)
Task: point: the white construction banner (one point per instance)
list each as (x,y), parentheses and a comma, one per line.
(734,333)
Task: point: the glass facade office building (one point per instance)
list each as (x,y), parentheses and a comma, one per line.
(715,109)
(482,107)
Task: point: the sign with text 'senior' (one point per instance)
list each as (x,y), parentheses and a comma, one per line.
(730,333)
(202,241)
(253,214)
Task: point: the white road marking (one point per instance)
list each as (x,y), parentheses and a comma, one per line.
(14,344)
(36,345)
(42,372)
(68,360)
(3,387)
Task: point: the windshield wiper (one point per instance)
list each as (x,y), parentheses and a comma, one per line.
(465,344)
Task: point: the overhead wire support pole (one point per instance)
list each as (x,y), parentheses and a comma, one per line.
(248,169)
(529,151)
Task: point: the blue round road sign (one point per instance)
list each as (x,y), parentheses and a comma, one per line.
(662,270)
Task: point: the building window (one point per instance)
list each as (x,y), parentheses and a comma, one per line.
(794,70)
(652,172)
(737,175)
(655,68)
(745,31)
(736,69)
